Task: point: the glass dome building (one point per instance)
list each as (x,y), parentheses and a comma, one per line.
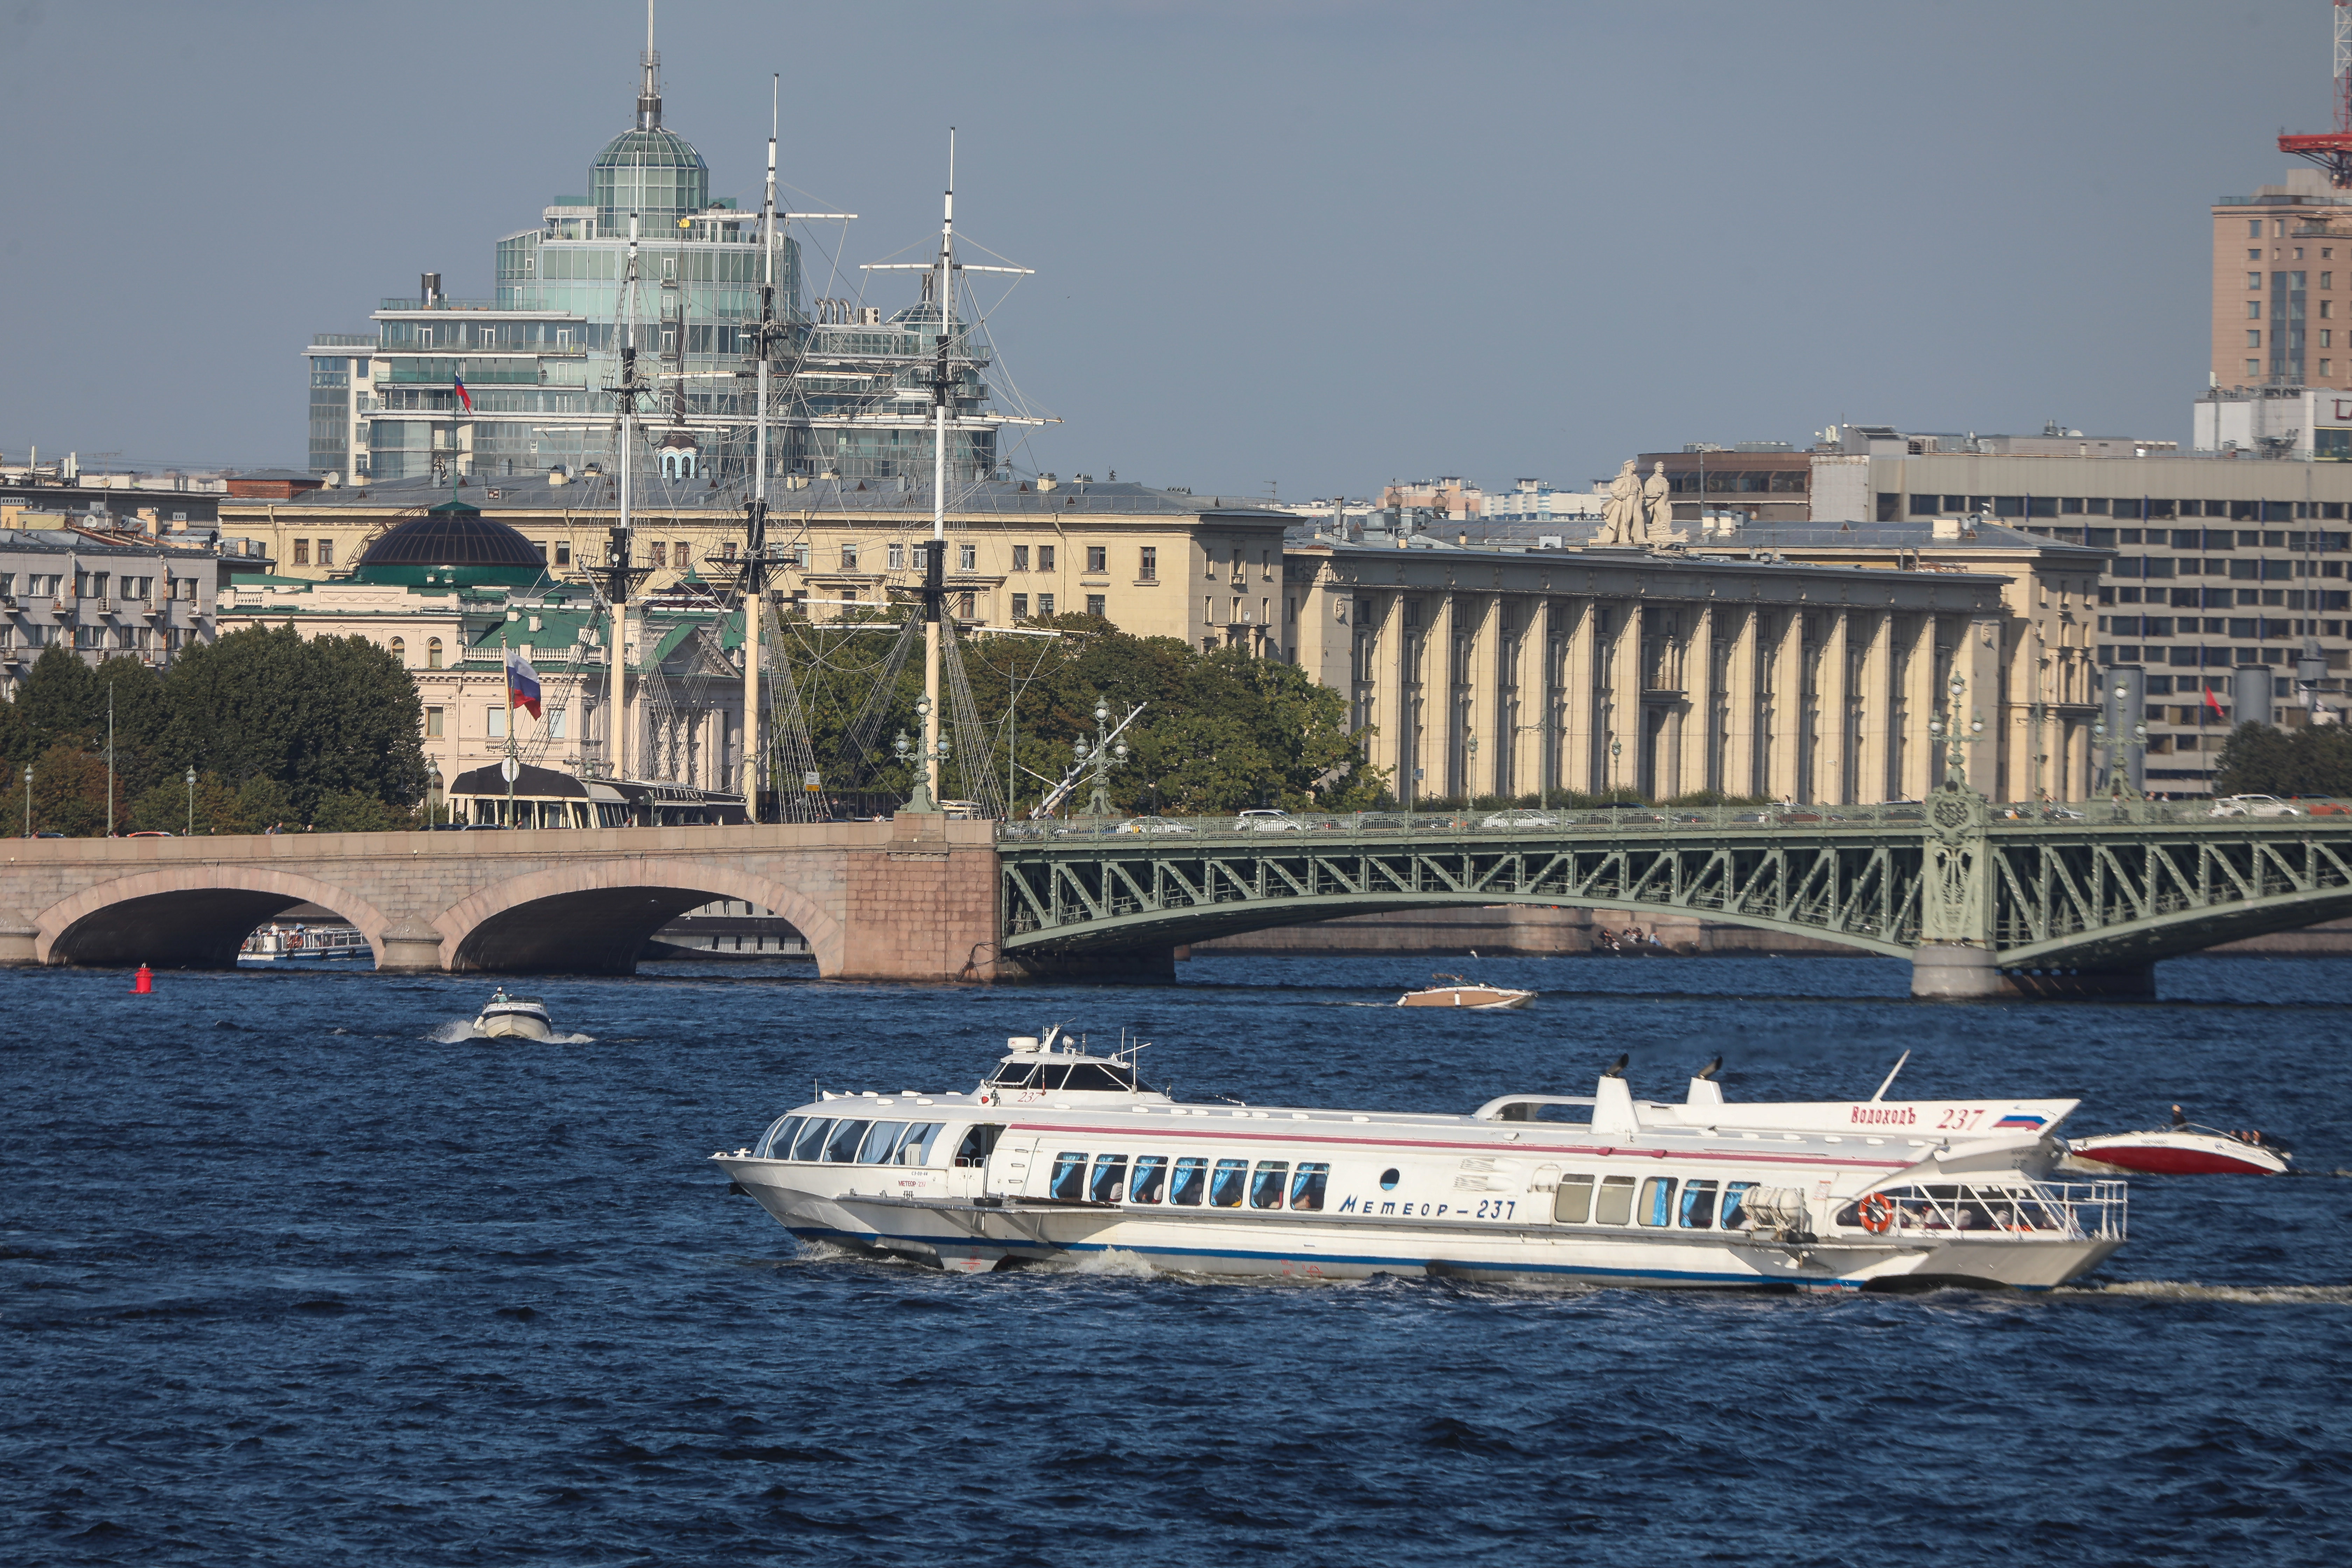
(653,173)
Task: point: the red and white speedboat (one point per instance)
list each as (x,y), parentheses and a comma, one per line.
(2178,1151)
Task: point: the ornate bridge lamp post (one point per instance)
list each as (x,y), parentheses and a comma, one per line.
(1616,750)
(192,800)
(1107,753)
(1946,726)
(2119,748)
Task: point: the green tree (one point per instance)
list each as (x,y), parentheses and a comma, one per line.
(2258,759)
(163,807)
(69,795)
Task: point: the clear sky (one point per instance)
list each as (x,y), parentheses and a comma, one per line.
(1322,243)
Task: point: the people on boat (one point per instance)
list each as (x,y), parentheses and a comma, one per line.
(2179,1120)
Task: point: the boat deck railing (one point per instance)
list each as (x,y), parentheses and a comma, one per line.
(2081,1210)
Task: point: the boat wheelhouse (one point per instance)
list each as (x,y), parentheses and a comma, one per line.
(1060,1152)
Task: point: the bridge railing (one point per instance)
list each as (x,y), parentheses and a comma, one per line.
(1617,819)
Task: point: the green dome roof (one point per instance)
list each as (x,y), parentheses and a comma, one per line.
(654,173)
(452,545)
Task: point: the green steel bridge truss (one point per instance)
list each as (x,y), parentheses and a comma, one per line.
(2113,888)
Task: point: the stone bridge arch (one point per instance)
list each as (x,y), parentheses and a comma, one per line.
(594,916)
(187,917)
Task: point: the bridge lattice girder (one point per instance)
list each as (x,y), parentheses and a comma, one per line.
(2088,895)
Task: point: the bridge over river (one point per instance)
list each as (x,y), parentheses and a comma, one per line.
(1981,902)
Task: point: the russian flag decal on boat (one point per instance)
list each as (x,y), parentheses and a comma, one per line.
(2019,1119)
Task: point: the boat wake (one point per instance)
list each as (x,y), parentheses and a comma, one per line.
(2193,1291)
(459,1029)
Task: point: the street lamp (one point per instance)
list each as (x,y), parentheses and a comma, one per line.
(1947,727)
(1616,750)
(1107,754)
(29,800)
(192,800)
(1470,784)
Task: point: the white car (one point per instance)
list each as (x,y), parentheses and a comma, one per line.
(1151,825)
(1520,817)
(2254,805)
(1266,819)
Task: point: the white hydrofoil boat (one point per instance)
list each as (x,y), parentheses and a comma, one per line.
(1061,1152)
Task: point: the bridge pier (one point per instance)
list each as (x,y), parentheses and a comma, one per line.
(19,945)
(1138,966)
(1954,972)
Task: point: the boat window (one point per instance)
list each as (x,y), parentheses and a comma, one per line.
(1616,1205)
(1227,1183)
(1190,1174)
(841,1147)
(1150,1175)
(781,1134)
(1657,1200)
(1388,1180)
(1697,1212)
(914,1149)
(1572,1203)
(1110,1175)
(1266,1183)
(810,1144)
(1086,1075)
(1051,1076)
(1069,1176)
(979,1142)
(1014,1075)
(1579,1115)
(1307,1187)
(1735,1201)
(881,1142)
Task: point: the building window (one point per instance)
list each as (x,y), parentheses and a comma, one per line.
(2323,370)
(1046,604)
(1097,558)
(1095,605)
(2253,367)
(803,555)
(2253,338)
(1291,608)
(727,550)
(1209,559)
(433,653)
(2253,280)
(1045,561)
(1265,565)
(2254,310)
(434,723)
(302,553)
(1020,558)
(563,554)
(849,558)
(2253,228)
(896,557)
(1020,606)
(400,651)
(967,560)
(965,609)
(326,553)
(1149,571)
(557,723)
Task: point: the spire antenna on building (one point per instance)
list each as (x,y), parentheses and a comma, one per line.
(649,88)
(2333,149)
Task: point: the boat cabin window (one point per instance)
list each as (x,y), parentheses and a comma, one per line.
(778,1144)
(914,1149)
(1101,1079)
(1308,1187)
(1697,1211)
(1110,1175)
(1616,1205)
(1151,1177)
(1015,1075)
(1657,1200)
(810,1142)
(979,1142)
(881,1142)
(1735,1201)
(841,1147)
(1530,1110)
(1069,1182)
(1226,1183)
(1266,1184)
(1191,1180)
(1571,1204)
(1091,1076)
(1388,1180)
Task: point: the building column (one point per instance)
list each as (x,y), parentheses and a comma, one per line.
(1698,769)
(1787,654)
(1481,700)
(1621,739)
(1532,673)
(1385,667)
(1833,754)
(1921,696)
(1740,682)
(1579,717)
(1873,706)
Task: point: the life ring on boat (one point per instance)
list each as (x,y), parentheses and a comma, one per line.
(1877,1214)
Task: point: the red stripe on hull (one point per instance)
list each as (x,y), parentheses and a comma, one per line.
(2163,1161)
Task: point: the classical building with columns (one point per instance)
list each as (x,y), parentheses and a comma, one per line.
(1508,671)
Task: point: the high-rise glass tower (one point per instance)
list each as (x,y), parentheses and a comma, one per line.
(541,362)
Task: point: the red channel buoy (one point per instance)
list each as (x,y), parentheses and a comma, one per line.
(144,985)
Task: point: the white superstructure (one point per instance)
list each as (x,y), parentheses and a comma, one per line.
(1060,1152)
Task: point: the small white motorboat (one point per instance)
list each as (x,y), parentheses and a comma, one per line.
(1455,992)
(2180,1149)
(513,1017)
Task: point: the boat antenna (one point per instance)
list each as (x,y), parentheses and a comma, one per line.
(1617,1068)
(1711,1069)
(1890,1078)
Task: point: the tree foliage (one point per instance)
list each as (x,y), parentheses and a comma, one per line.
(2258,759)
(278,727)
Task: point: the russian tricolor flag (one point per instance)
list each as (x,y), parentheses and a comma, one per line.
(522,683)
(463,396)
(2019,1119)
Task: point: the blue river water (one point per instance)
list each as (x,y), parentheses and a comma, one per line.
(289,1276)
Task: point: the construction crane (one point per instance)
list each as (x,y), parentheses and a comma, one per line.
(2331,150)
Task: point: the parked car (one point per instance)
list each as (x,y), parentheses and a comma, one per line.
(2254,805)
(1151,825)
(1382,822)
(1267,819)
(1520,818)
(149,833)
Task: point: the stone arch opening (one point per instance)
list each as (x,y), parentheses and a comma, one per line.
(597,919)
(195,918)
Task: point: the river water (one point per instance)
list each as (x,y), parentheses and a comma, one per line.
(288,1277)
